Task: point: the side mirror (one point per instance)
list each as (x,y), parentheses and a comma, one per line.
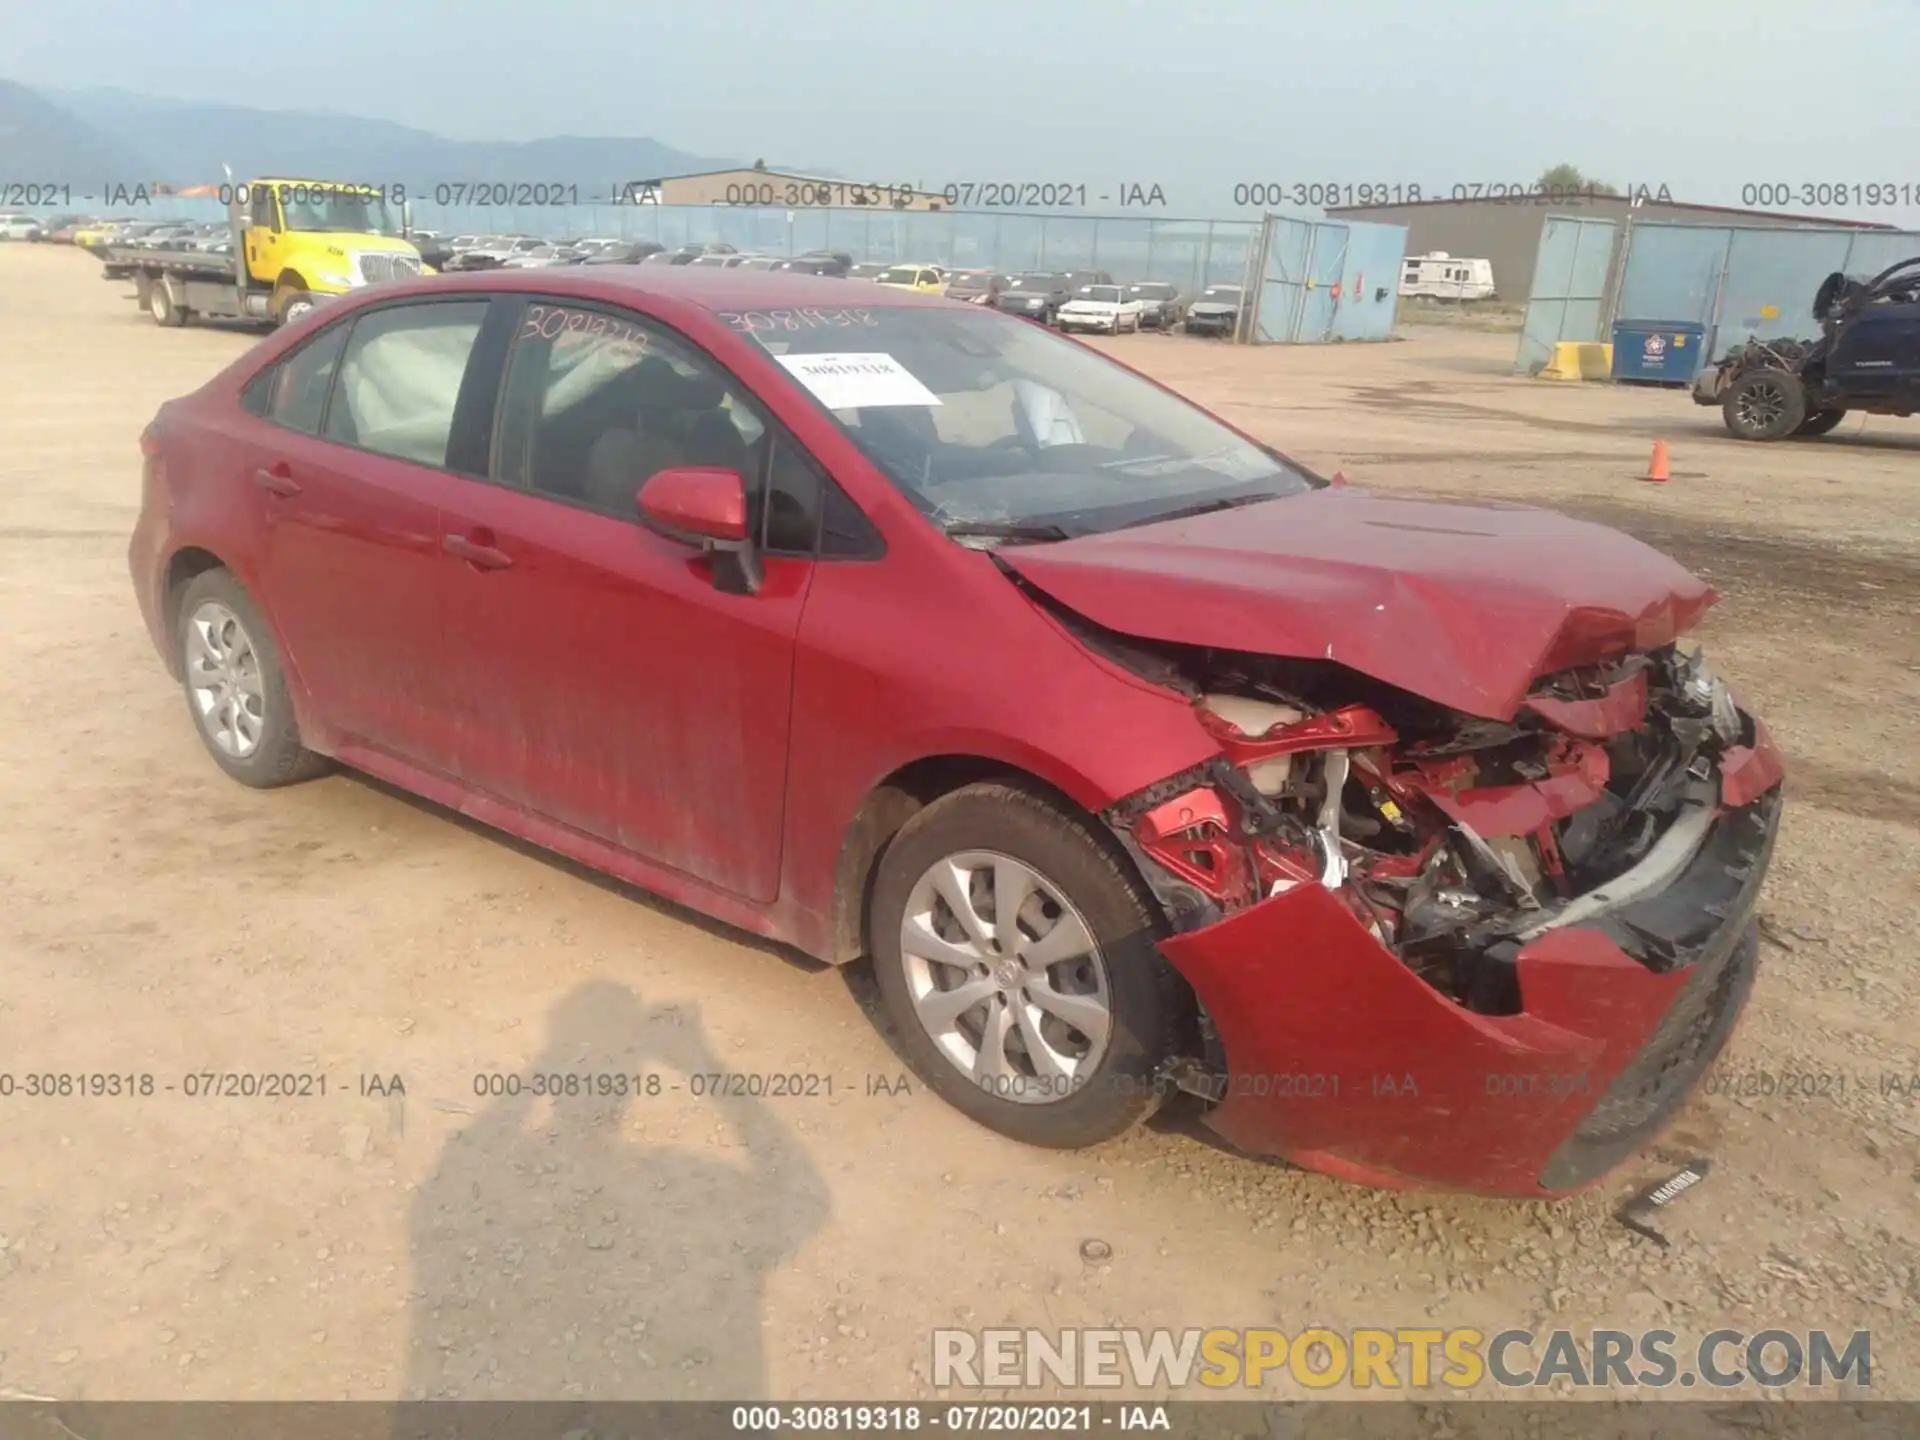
(702,506)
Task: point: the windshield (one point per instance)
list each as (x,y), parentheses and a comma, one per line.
(901,275)
(1104,294)
(1034,282)
(312,208)
(984,420)
(1229,293)
(1154,292)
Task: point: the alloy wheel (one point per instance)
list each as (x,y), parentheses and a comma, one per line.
(223,679)
(1760,406)
(1006,977)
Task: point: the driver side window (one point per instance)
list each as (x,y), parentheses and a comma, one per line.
(260,202)
(597,402)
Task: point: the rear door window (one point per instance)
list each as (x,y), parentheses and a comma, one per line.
(400,379)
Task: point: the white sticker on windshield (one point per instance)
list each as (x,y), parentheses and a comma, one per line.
(853,382)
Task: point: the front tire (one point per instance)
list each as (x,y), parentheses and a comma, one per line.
(291,303)
(1015,953)
(236,689)
(1765,404)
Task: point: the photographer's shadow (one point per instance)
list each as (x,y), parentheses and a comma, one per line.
(607,1245)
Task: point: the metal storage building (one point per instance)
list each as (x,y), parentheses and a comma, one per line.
(1507,232)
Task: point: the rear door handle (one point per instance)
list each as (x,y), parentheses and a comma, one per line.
(481,557)
(277,480)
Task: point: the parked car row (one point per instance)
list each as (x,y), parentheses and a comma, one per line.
(1093,300)
(95,234)
(1071,300)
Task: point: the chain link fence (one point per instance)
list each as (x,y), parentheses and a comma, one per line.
(1189,253)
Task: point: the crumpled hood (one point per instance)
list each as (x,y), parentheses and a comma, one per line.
(1464,604)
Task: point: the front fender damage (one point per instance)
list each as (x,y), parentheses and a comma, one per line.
(1431,948)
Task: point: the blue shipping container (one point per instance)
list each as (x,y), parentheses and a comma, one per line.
(1651,352)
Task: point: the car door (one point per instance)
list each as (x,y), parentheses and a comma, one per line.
(1877,357)
(351,458)
(609,679)
(265,237)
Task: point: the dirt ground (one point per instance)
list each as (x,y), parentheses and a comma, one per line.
(157,919)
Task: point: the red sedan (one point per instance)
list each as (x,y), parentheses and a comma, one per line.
(1136,757)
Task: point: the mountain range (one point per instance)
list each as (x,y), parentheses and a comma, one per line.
(93,140)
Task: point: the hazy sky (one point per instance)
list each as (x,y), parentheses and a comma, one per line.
(1195,95)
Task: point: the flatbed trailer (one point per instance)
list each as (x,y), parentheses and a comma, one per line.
(175,285)
(173,288)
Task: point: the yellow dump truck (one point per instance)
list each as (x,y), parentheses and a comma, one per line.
(291,245)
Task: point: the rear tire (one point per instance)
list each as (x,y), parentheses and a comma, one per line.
(235,687)
(1766,404)
(984,843)
(160,305)
(1819,423)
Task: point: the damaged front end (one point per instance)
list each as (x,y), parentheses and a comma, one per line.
(1437,948)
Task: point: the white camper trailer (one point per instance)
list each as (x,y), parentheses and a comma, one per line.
(1440,276)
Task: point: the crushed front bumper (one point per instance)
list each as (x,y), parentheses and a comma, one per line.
(1341,1059)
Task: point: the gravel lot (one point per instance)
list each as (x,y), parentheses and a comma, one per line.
(155,917)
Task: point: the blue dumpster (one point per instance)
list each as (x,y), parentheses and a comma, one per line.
(1652,352)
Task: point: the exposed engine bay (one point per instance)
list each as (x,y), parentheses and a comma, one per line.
(1453,839)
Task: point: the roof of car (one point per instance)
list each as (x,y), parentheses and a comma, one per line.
(710,287)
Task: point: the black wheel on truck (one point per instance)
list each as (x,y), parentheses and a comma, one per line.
(1820,422)
(160,304)
(291,303)
(1766,404)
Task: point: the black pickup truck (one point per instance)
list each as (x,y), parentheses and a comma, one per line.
(1866,359)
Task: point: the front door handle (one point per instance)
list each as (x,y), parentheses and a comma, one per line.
(481,557)
(277,480)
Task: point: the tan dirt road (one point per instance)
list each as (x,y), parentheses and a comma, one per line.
(156,919)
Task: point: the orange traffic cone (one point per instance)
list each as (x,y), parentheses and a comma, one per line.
(1657,466)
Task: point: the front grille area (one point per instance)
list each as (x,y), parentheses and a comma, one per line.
(379,267)
(1723,884)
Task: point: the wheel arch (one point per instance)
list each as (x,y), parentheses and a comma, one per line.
(895,799)
(290,279)
(184,566)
